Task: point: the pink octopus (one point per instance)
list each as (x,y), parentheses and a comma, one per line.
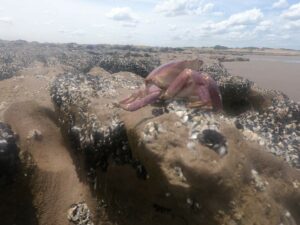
(177,79)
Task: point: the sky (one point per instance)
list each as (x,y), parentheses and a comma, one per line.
(173,23)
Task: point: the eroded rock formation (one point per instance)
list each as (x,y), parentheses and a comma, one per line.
(229,179)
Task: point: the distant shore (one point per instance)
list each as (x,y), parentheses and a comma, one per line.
(274,72)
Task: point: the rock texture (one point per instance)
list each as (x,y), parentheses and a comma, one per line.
(267,117)
(86,107)
(9,151)
(203,187)
(197,167)
(15,56)
(93,163)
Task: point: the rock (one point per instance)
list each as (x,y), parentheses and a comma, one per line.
(15,57)
(232,59)
(35,135)
(138,66)
(79,214)
(161,146)
(194,176)
(9,151)
(265,116)
(214,140)
(87,113)
(260,185)
(240,94)
(275,128)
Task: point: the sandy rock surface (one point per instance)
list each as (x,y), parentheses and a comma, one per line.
(83,160)
(181,180)
(241,187)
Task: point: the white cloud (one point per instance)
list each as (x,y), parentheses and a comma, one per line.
(271,37)
(218,13)
(148,21)
(216,25)
(7,20)
(292,25)
(182,7)
(121,14)
(238,27)
(124,15)
(264,25)
(280,4)
(293,13)
(49,22)
(98,25)
(286,36)
(62,31)
(236,21)
(78,32)
(242,35)
(247,17)
(205,8)
(129,24)
(173,27)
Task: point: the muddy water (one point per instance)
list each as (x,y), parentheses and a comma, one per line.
(274,72)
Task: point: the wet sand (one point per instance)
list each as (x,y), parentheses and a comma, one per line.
(274,72)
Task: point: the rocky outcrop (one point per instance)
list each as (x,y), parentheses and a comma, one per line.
(15,56)
(205,186)
(15,169)
(139,66)
(197,167)
(85,105)
(267,117)
(9,153)
(49,173)
(163,164)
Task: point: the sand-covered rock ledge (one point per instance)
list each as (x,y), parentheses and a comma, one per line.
(80,159)
(149,166)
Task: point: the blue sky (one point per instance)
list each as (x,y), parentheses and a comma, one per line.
(234,23)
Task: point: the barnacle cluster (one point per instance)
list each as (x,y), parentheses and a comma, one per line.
(277,128)
(204,126)
(17,55)
(79,214)
(99,139)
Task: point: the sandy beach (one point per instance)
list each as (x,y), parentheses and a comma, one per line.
(274,72)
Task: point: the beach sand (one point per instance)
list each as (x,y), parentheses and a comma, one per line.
(280,73)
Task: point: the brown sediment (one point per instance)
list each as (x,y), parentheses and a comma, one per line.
(55,184)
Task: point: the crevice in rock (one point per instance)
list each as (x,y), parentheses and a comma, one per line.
(15,194)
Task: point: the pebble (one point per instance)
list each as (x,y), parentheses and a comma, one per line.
(179,173)
(296,184)
(214,140)
(191,145)
(35,135)
(260,185)
(79,214)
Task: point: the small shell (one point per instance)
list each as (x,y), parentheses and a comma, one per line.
(191,145)
(185,118)
(194,136)
(180,113)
